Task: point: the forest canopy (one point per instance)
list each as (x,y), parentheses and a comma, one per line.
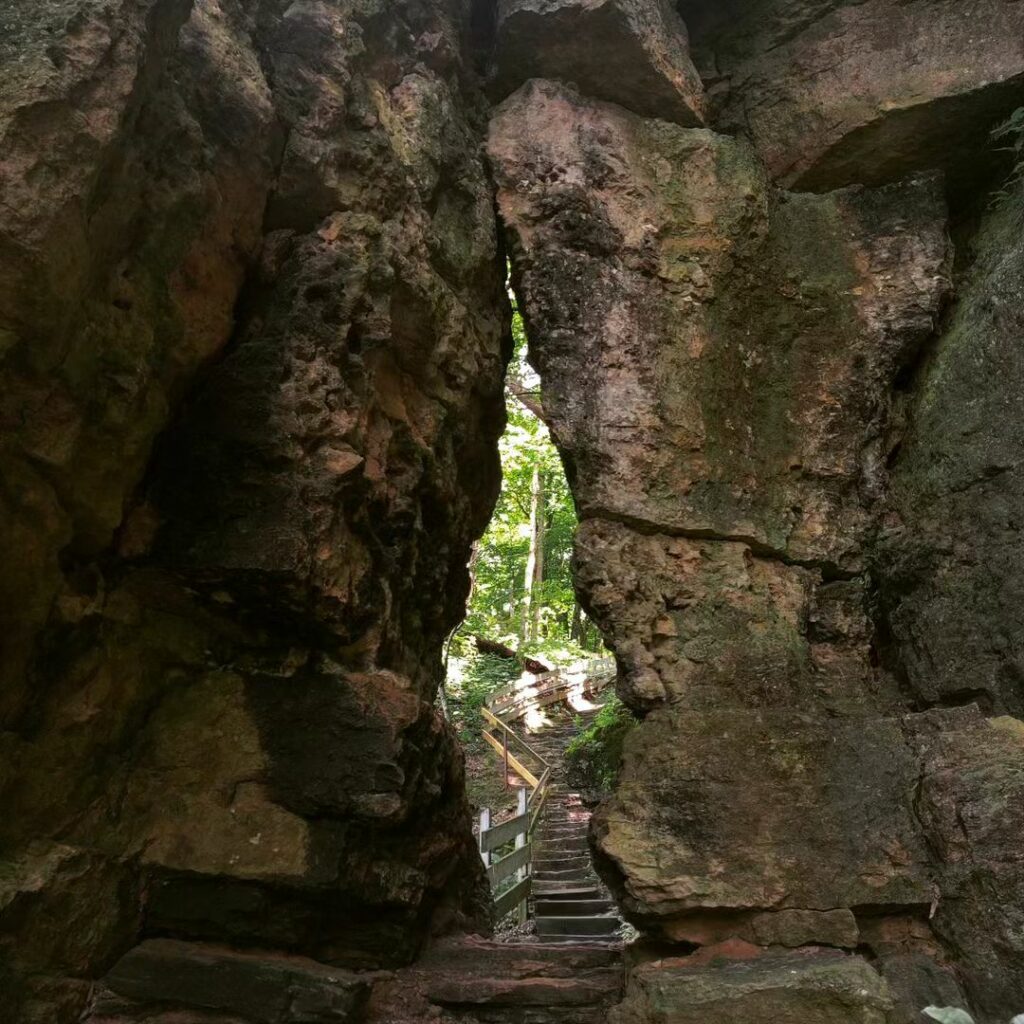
(522,592)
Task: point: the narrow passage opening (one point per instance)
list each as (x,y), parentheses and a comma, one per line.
(528,686)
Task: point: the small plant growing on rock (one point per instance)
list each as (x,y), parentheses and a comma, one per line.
(593,758)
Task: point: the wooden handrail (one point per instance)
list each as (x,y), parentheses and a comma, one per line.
(541,788)
(547,689)
(518,858)
(493,719)
(513,762)
(504,833)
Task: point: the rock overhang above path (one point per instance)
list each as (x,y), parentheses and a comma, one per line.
(834,93)
(630,52)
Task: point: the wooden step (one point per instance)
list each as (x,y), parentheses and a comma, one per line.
(601,924)
(544,862)
(570,875)
(543,891)
(551,906)
(564,830)
(564,845)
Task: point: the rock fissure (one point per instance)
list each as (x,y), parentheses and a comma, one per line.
(830,572)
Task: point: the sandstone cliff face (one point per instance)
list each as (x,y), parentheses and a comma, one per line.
(752,374)
(834,92)
(950,546)
(727,453)
(253,334)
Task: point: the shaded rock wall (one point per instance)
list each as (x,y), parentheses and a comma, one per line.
(769,395)
(950,545)
(253,334)
(834,92)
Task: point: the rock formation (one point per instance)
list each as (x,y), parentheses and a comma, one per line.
(835,93)
(253,329)
(775,383)
(253,326)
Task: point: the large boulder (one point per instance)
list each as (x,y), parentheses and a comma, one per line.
(813,987)
(265,234)
(971,804)
(720,815)
(729,370)
(186,981)
(710,622)
(116,283)
(834,92)
(949,566)
(717,359)
(715,355)
(630,52)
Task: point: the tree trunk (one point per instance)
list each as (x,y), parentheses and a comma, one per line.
(485,646)
(539,535)
(534,561)
(473,556)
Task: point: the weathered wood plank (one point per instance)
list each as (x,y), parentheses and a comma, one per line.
(501,869)
(525,692)
(508,901)
(518,710)
(504,833)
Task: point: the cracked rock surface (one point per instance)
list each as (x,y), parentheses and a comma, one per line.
(753,388)
(253,332)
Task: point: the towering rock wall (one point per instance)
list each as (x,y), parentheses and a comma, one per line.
(791,423)
(252,336)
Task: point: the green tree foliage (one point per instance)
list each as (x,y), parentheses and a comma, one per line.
(500,562)
(541,619)
(477,677)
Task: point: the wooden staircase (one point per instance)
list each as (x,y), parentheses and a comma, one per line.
(569,903)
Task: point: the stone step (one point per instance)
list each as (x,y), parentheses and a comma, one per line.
(612,940)
(551,981)
(543,891)
(602,924)
(570,875)
(551,906)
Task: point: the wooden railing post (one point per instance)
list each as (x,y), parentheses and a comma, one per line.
(526,869)
(504,737)
(485,824)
